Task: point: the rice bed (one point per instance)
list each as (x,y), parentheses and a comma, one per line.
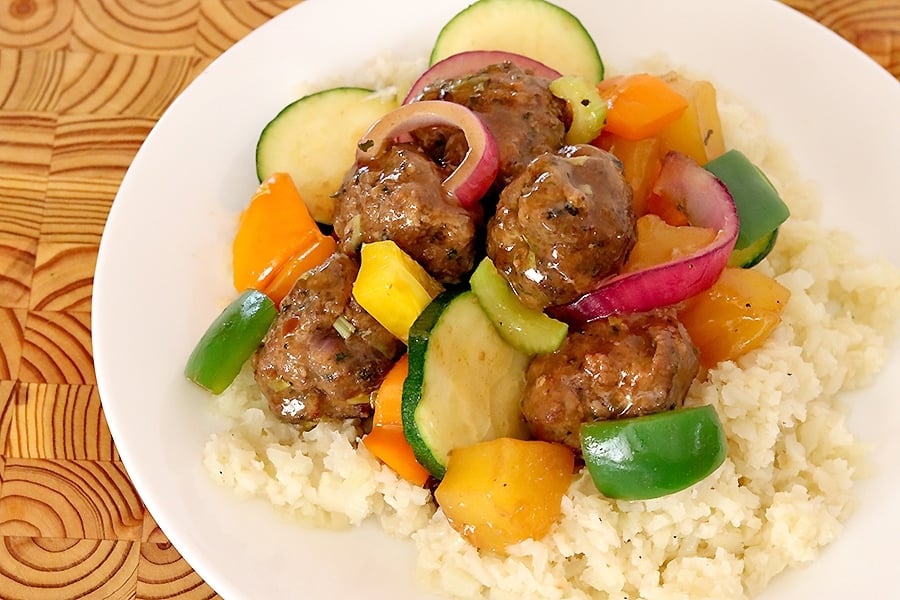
(781,495)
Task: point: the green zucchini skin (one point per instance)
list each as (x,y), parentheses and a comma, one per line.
(418,345)
(314,139)
(753,254)
(563,44)
(529,330)
(465,381)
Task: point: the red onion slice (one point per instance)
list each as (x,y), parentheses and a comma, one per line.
(708,204)
(475,174)
(468,62)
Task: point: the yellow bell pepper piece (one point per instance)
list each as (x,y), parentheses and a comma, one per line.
(392,287)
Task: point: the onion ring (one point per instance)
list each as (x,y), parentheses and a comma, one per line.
(466,63)
(474,175)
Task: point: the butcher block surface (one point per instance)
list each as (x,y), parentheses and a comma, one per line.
(82,82)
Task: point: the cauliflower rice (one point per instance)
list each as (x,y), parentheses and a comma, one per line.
(782,494)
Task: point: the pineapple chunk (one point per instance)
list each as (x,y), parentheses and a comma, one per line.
(735,315)
(698,132)
(504,491)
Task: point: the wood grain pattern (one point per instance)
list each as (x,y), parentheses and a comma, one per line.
(17,256)
(135,26)
(163,573)
(75,209)
(67,568)
(57,348)
(76,499)
(12,332)
(30,79)
(52,421)
(122,84)
(871,25)
(97,146)
(27,143)
(63,277)
(82,82)
(41,24)
(21,205)
(222,24)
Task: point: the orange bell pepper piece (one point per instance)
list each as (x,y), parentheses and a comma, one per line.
(275,229)
(641,161)
(386,440)
(308,258)
(640,105)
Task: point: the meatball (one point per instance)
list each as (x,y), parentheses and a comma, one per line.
(517,107)
(562,225)
(398,196)
(309,370)
(623,366)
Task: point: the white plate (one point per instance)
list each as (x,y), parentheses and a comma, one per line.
(162,273)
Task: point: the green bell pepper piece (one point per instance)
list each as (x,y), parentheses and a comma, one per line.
(230,340)
(654,455)
(760,209)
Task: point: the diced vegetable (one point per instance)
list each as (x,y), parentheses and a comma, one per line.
(474,175)
(386,440)
(754,253)
(230,340)
(534,28)
(708,204)
(529,330)
(274,228)
(641,162)
(464,384)
(735,315)
(698,131)
(392,287)
(653,455)
(670,209)
(760,209)
(640,105)
(504,491)
(588,108)
(470,61)
(314,139)
(294,267)
(658,242)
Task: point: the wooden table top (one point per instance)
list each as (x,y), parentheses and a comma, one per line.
(82,82)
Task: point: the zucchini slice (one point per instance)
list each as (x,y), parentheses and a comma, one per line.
(529,330)
(465,383)
(753,254)
(314,139)
(534,28)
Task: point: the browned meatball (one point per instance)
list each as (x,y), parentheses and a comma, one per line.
(624,366)
(310,371)
(517,107)
(562,225)
(398,196)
